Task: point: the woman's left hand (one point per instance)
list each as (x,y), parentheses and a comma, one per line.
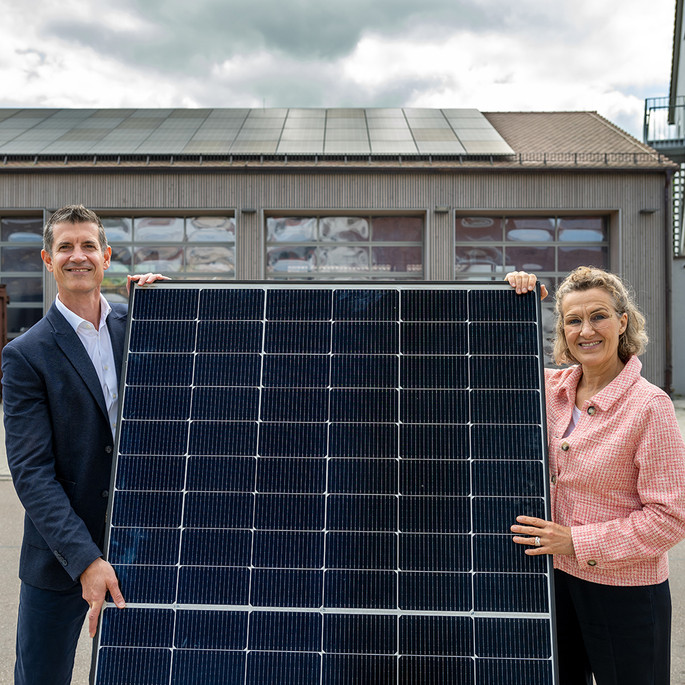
(553,538)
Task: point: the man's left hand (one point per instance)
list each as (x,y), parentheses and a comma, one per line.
(142,279)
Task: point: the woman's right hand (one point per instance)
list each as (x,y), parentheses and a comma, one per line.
(525,282)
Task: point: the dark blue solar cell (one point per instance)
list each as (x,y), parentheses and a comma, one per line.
(171,404)
(147,584)
(434,372)
(497,514)
(435,552)
(133,627)
(287,549)
(434,406)
(434,477)
(342,669)
(297,337)
(500,553)
(434,305)
(434,338)
(275,668)
(207,667)
(502,305)
(159,369)
(362,512)
(150,473)
(296,370)
(362,476)
(514,672)
(502,372)
(165,303)
(436,635)
(286,404)
(153,437)
(286,631)
(523,478)
(510,592)
(363,440)
(229,336)
(352,589)
(289,512)
(213,585)
(513,638)
(364,371)
(232,303)
(360,634)
(371,406)
(361,550)
(228,369)
(217,438)
(505,406)
(228,474)
(292,439)
(118,665)
(503,338)
(210,629)
(369,305)
(162,336)
(434,441)
(366,337)
(143,546)
(286,588)
(225,404)
(304,475)
(435,591)
(212,547)
(438,670)
(506,442)
(435,515)
(218,510)
(299,305)
(147,509)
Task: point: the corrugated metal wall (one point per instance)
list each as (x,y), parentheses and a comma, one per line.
(638,240)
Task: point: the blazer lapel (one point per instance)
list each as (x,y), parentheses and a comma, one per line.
(75,352)
(116,324)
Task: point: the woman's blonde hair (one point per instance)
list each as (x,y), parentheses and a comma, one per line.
(632,341)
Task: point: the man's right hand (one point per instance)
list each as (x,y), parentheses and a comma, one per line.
(96,581)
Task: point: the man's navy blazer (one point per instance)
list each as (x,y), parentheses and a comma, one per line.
(59,446)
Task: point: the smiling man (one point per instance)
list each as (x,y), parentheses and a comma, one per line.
(60,395)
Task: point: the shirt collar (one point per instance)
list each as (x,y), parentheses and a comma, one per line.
(75,320)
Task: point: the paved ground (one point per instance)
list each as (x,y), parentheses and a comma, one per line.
(10,537)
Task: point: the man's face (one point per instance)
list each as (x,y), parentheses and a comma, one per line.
(77,260)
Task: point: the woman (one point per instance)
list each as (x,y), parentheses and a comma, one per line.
(617,483)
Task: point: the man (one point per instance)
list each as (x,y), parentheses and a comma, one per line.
(60,394)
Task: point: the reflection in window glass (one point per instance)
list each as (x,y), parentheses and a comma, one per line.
(20,319)
(22,259)
(530,230)
(117,229)
(479,228)
(572,257)
(158,229)
(344,228)
(209,259)
(22,230)
(24,289)
(479,260)
(120,261)
(582,229)
(290,229)
(219,229)
(159,259)
(364,247)
(530,258)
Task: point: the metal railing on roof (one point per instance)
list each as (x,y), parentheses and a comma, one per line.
(664,124)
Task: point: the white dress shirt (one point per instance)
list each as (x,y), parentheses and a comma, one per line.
(98,344)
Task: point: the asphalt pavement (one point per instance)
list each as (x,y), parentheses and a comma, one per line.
(11,523)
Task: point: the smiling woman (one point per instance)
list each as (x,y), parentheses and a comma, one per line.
(617,474)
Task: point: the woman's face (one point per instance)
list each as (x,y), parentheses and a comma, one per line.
(592,327)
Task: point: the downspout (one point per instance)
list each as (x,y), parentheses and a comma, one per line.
(668,290)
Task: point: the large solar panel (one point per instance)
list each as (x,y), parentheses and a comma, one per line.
(314,483)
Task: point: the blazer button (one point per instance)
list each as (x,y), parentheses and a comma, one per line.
(108,449)
(591,562)
(591,411)
(105,494)
(565,446)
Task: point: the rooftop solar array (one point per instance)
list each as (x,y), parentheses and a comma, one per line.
(315,483)
(409,131)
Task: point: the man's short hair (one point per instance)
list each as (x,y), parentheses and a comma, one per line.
(73,214)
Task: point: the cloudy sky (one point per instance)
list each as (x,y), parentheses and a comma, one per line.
(494,55)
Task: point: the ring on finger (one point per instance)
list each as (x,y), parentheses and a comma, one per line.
(537,541)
